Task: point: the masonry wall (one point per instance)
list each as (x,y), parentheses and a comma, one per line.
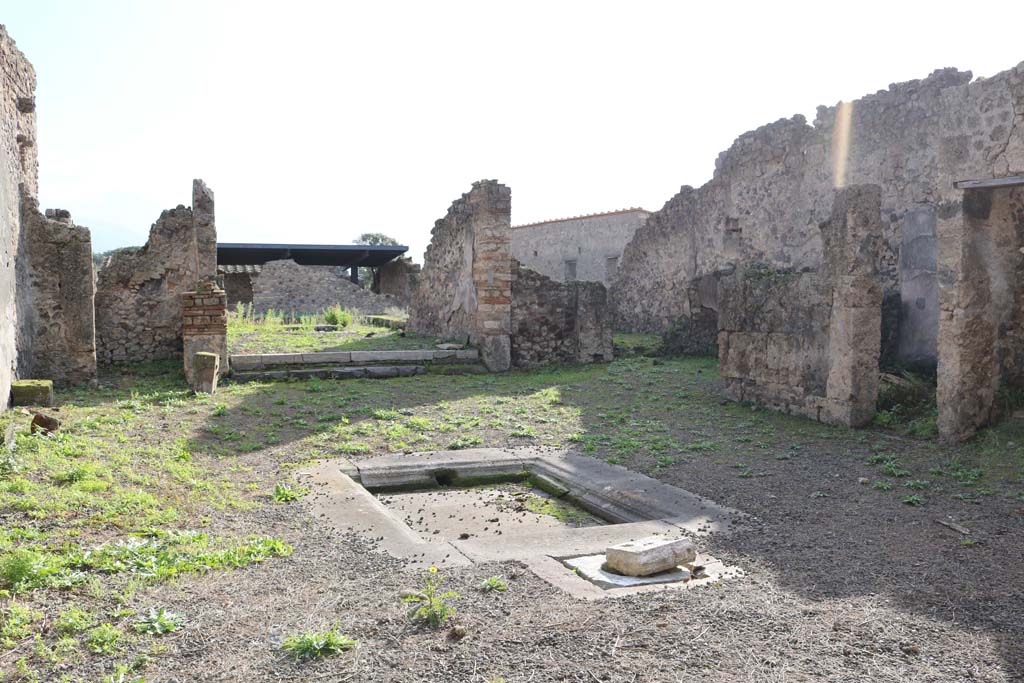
(139,291)
(772,188)
(288,287)
(397,278)
(59,324)
(18,172)
(555,322)
(808,342)
(591,246)
(981,324)
(465,287)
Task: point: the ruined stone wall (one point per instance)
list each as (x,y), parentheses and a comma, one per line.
(464,290)
(288,287)
(808,341)
(554,322)
(139,291)
(772,188)
(981,324)
(60,324)
(18,173)
(397,278)
(238,286)
(584,248)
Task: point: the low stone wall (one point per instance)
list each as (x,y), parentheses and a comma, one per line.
(981,322)
(554,322)
(288,287)
(464,290)
(808,342)
(139,291)
(60,320)
(397,278)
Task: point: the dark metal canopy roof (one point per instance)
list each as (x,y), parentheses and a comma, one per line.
(236,254)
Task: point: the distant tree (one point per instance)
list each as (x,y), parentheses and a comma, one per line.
(376,239)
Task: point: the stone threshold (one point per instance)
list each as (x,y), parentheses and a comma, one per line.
(262,361)
(342,494)
(343,372)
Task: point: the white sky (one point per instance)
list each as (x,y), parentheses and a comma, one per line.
(317,121)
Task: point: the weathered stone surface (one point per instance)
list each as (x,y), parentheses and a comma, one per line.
(32,392)
(205,371)
(290,288)
(397,279)
(584,248)
(206,326)
(981,321)
(464,290)
(139,306)
(650,555)
(554,322)
(18,169)
(808,342)
(59,327)
(773,187)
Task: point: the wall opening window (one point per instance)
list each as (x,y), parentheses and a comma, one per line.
(611,264)
(570,271)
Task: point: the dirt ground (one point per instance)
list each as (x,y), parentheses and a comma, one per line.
(849,576)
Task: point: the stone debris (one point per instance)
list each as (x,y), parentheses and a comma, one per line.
(649,556)
(32,392)
(205,370)
(45,424)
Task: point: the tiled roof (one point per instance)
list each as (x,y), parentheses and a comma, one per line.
(233,270)
(634,209)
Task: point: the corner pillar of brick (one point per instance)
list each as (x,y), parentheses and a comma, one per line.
(492,273)
(205,325)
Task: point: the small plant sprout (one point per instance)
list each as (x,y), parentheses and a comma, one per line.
(430,606)
(159,621)
(286,493)
(314,645)
(914,500)
(493,583)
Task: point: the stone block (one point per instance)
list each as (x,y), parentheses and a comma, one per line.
(382,372)
(282,359)
(650,555)
(247,361)
(205,371)
(32,392)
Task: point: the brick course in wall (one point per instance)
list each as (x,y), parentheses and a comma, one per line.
(465,287)
(204,325)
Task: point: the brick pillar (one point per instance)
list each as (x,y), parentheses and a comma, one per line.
(492,273)
(205,325)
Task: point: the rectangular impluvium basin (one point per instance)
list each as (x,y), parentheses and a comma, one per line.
(479,505)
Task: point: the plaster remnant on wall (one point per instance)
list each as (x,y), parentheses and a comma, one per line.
(808,341)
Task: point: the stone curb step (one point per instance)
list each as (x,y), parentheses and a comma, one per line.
(258,361)
(371,372)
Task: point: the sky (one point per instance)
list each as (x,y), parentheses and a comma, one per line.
(316,121)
